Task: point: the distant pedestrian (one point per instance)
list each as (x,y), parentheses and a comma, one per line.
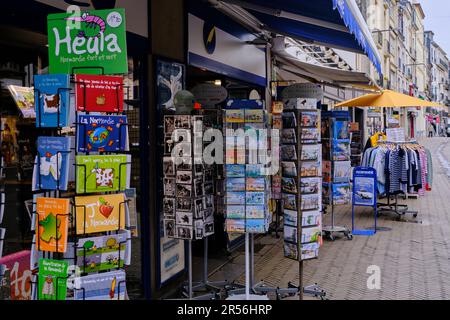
(430,130)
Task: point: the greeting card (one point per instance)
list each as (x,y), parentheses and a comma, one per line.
(95,93)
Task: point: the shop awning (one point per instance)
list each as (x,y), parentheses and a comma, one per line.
(387,99)
(333,23)
(321,74)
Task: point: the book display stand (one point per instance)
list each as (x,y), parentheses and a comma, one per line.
(336,168)
(96,237)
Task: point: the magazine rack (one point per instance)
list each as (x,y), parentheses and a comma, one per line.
(331,230)
(73,236)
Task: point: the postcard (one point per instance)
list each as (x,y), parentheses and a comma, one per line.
(255,198)
(169,187)
(313,234)
(254,170)
(310,135)
(311,218)
(341,150)
(235,198)
(102,286)
(311,152)
(288,136)
(199,229)
(184,232)
(289,185)
(168,167)
(131,218)
(235,184)
(255,184)
(277,107)
(200,188)
(255,212)
(341,194)
(235,170)
(184,190)
(235,212)
(235,116)
(184,204)
(103,253)
(290,250)
(289,169)
(290,217)
(310,169)
(310,202)
(309,119)
(342,171)
(100,213)
(52,284)
(182,121)
(184,177)
(310,250)
(254,115)
(52,224)
(341,130)
(290,234)
(199,207)
(289,201)
(169,125)
(208,215)
(288,152)
(310,185)
(235,226)
(255,225)
(99,93)
(277,122)
(24,99)
(184,218)
(209,228)
(169,228)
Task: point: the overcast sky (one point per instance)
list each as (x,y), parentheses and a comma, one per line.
(437,19)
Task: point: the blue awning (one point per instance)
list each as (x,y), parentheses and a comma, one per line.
(334,23)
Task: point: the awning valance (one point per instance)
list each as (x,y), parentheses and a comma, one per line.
(333,23)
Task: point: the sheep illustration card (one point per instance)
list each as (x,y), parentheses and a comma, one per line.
(52,100)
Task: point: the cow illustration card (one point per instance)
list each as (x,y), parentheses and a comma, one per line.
(102,133)
(51,170)
(95,93)
(100,213)
(52,100)
(52,224)
(102,173)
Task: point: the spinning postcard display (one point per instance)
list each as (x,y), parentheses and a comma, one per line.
(188,204)
(246,186)
(301,183)
(65,225)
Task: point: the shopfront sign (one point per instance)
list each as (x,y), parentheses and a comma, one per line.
(88,42)
(221,45)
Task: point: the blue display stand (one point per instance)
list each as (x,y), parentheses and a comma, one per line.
(364,195)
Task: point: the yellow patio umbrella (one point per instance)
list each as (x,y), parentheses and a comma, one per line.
(387,99)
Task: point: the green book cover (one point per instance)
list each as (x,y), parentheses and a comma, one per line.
(52,280)
(102,173)
(92,41)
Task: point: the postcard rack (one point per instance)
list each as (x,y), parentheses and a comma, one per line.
(336,151)
(188,204)
(301,185)
(121,245)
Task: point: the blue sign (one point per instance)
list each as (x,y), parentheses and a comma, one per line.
(364,195)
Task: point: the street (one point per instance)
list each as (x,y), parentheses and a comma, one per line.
(412,254)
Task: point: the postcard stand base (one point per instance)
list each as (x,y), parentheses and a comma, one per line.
(214,287)
(330,231)
(399,209)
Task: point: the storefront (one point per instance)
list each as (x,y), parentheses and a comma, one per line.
(25,54)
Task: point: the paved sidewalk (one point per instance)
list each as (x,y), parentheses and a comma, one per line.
(414,255)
